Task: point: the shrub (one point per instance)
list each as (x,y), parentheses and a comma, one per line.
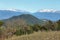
(36,27)
(1,28)
(20,32)
(1,23)
(24,30)
(58,22)
(29,30)
(43,28)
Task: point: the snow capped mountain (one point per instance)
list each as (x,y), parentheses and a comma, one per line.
(47,10)
(15,10)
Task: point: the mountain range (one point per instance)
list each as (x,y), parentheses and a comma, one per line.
(42,14)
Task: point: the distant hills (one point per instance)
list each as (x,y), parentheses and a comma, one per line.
(5,14)
(54,16)
(42,14)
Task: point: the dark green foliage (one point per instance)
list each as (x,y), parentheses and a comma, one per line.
(36,27)
(43,28)
(58,22)
(1,23)
(20,32)
(24,30)
(1,29)
(49,25)
(30,30)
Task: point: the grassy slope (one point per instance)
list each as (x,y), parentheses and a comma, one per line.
(52,35)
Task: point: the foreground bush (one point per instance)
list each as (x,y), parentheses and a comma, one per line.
(24,30)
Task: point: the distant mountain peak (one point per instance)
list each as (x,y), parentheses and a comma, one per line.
(47,10)
(15,10)
(9,9)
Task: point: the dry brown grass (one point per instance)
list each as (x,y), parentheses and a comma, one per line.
(52,35)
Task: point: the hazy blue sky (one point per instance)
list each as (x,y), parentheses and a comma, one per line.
(30,5)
